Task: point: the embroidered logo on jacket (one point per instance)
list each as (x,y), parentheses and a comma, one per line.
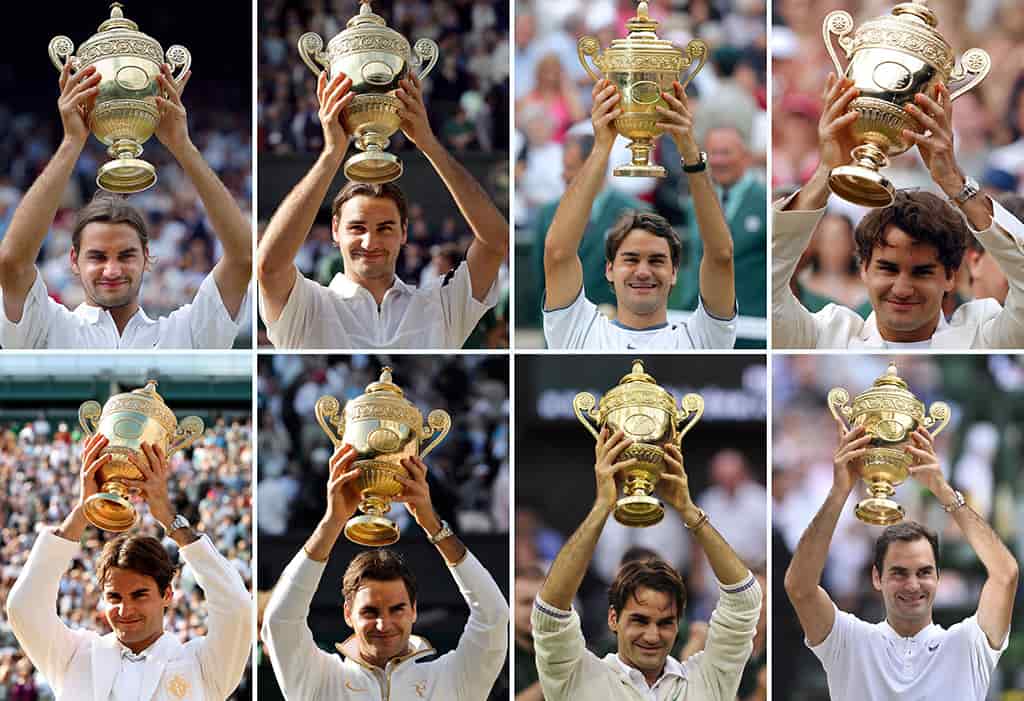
(348,685)
(178,687)
(421,689)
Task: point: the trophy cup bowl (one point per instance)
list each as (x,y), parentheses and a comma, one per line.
(128,420)
(375,58)
(125,114)
(384,428)
(889,413)
(647,414)
(641,67)
(890,59)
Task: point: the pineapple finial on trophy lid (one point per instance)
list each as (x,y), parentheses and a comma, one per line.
(892,378)
(118,20)
(365,16)
(642,22)
(384,384)
(637,374)
(916,11)
(149,390)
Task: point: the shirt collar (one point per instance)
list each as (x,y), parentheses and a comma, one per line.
(871,333)
(673,668)
(348,288)
(94,314)
(157,650)
(922,635)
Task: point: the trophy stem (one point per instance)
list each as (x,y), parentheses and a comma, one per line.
(878,509)
(110,508)
(127,173)
(640,165)
(862,182)
(372,528)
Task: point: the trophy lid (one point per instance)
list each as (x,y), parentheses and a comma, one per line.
(384,385)
(891,378)
(637,374)
(888,385)
(149,391)
(366,17)
(916,11)
(643,34)
(118,20)
(911,27)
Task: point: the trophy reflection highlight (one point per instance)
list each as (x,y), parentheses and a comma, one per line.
(647,414)
(889,413)
(128,420)
(384,427)
(891,58)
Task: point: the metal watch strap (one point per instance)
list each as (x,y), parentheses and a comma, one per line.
(445,532)
(178,522)
(958,502)
(970,189)
(700,166)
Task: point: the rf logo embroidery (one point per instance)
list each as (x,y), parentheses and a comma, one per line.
(178,686)
(421,689)
(348,685)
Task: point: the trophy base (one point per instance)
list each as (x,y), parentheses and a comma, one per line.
(373,167)
(371,531)
(110,512)
(879,511)
(638,511)
(126,175)
(861,185)
(632,170)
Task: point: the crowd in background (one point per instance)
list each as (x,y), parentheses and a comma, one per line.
(468,470)
(39,465)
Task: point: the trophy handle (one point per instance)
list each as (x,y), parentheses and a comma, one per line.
(89,417)
(839,23)
(692,407)
(180,58)
(589,46)
(838,399)
(426,50)
(695,50)
(311,51)
(188,432)
(61,50)
(938,413)
(973,67)
(583,404)
(331,420)
(439,422)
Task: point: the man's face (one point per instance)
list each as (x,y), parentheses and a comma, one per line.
(381,615)
(642,272)
(645,628)
(369,232)
(908,582)
(110,261)
(135,607)
(905,282)
(727,156)
(987,280)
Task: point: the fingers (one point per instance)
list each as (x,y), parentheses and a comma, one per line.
(69,80)
(839,102)
(90,468)
(343,478)
(340,105)
(342,458)
(93,445)
(334,90)
(79,91)
(321,86)
(615,451)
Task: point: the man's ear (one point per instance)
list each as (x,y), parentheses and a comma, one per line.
(405,232)
(876,579)
(334,231)
(613,620)
(74,262)
(347,613)
(148,265)
(950,281)
(608,273)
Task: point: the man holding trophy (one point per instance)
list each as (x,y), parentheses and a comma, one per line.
(646,602)
(379,604)
(139,660)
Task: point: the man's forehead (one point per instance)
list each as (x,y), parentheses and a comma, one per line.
(121,579)
(378,592)
(104,235)
(895,239)
(366,206)
(651,602)
(909,554)
(641,241)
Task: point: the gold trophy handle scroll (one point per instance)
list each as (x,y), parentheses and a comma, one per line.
(589,46)
(426,51)
(188,432)
(61,50)
(583,404)
(439,423)
(311,51)
(180,59)
(331,420)
(691,407)
(838,404)
(839,23)
(974,66)
(89,417)
(938,413)
(696,50)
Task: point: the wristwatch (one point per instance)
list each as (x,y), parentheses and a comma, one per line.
(178,522)
(958,502)
(445,532)
(700,166)
(969,190)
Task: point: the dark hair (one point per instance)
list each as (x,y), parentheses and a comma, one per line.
(141,554)
(380,565)
(388,191)
(112,210)
(925,217)
(653,573)
(906,532)
(654,224)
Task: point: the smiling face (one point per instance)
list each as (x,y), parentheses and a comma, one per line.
(135,607)
(908,581)
(642,275)
(369,232)
(110,261)
(645,629)
(906,281)
(381,615)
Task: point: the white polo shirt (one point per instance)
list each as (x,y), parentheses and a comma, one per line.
(46,323)
(872,662)
(345,315)
(582,326)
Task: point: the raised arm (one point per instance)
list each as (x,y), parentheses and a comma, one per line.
(813,605)
(490,229)
(20,246)
(288,228)
(234,270)
(995,607)
(717,275)
(563,271)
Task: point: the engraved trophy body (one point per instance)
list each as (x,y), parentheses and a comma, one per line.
(128,420)
(384,427)
(641,67)
(125,114)
(375,57)
(891,58)
(889,413)
(647,414)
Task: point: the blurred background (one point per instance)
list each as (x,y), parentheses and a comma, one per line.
(724,457)
(40,458)
(553,137)
(988,124)
(980,455)
(467,99)
(468,476)
(218,99)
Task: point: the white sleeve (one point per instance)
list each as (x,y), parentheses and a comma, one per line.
(560,649)
(224,650)
(205,321)
(38,315)
(834,651)
(300,310)
(568,327)
(1004,241)
(709,331)
(793,326)
(461,309)
(979,657)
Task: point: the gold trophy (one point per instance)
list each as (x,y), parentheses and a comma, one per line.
(128,420)
(891,58)
(889,413)
(648,415)
(125,114)
(384,427)
(641,66)
(375,57)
